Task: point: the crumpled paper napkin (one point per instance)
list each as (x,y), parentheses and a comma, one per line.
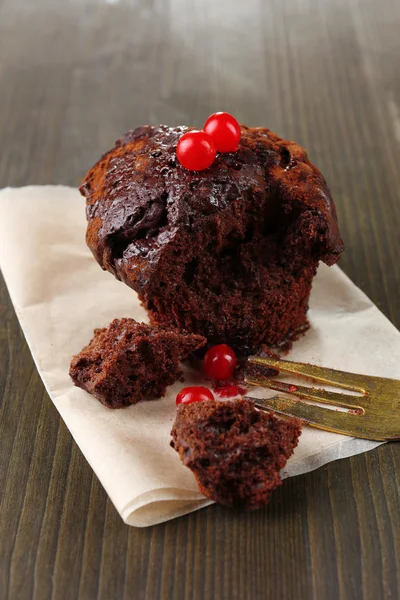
(61,295)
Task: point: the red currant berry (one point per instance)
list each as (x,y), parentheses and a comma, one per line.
(196,150)
(220,362)
(225,131)
(193,394)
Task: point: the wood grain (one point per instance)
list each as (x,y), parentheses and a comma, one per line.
(74,76)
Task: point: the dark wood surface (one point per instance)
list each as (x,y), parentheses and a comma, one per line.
(74,76)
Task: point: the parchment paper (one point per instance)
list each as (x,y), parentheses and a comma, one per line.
(60,295)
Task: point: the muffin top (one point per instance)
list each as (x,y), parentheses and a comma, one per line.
(139,197)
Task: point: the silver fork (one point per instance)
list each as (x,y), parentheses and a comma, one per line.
(374,413)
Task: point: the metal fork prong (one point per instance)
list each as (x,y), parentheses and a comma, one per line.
(308,393)
(344,380)
(322,418)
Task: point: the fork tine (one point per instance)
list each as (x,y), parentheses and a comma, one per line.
(308,393)
(342,379)
(322,418)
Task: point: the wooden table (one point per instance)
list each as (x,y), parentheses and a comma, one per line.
(74,76)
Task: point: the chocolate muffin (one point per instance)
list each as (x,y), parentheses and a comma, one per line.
(229,252)
(234,450)
(129,361)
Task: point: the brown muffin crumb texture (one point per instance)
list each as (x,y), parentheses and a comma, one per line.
(128,361)
(235,451)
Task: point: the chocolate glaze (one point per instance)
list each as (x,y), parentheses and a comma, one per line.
(138,193)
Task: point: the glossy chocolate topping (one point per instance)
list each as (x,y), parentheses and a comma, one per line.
(139,197)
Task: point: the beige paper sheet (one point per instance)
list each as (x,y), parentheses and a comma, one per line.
(60,295)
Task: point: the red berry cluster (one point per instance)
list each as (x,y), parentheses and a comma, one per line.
(219,364)
(196,150)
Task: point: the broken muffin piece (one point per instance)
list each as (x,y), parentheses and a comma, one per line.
(129,361)
(234,450)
